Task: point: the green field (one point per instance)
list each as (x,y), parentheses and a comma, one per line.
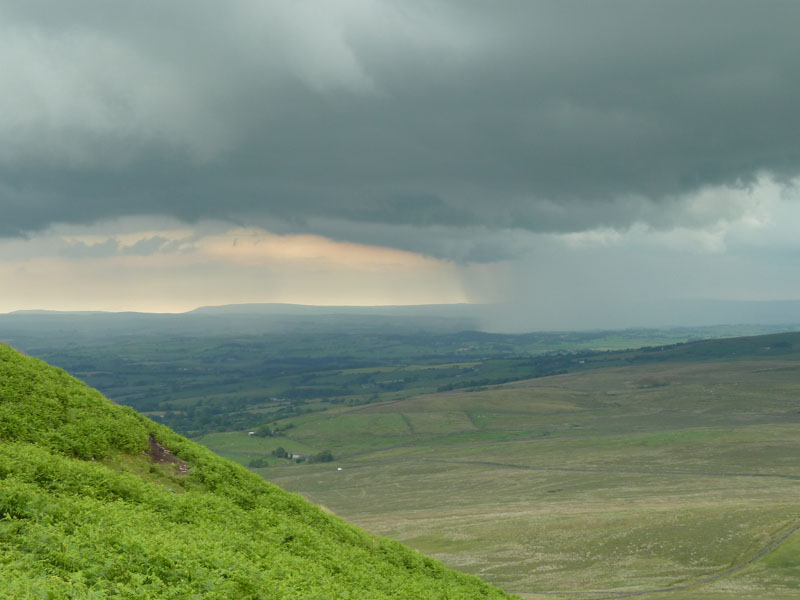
(242,448)
(584,485)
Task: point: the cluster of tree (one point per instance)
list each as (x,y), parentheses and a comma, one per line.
(324,456)
(474,383)
(272,429)
(281,452)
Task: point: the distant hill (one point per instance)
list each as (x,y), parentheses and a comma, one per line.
(496,318)
(518,319)
(423,310)
(247,319)
(588,313)
(773,345)
(97,501)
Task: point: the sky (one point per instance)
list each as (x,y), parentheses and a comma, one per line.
(565,159)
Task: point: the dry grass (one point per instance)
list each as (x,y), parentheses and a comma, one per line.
(583,485)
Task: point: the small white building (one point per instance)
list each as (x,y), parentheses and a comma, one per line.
(296,455)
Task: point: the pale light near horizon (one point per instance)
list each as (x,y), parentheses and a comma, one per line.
(176,268)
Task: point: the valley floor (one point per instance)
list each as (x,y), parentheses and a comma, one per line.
(606,484)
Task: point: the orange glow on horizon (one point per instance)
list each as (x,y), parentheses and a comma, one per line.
(186,270)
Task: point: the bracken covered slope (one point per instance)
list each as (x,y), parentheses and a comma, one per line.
(97,501)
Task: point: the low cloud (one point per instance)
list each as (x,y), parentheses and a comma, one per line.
(112,247)
(78,249)
(149,246)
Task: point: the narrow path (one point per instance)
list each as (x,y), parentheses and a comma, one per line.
(408,422)
(709,579)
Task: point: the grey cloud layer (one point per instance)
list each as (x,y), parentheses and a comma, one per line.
(338,117)
(112,247)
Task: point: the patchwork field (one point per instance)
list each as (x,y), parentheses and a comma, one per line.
(605,484)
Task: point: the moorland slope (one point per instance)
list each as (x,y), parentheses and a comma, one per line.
(97,501)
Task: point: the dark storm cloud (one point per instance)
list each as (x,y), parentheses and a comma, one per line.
(345,117)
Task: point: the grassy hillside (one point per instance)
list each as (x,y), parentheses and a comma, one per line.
(86,513)
(596,484)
